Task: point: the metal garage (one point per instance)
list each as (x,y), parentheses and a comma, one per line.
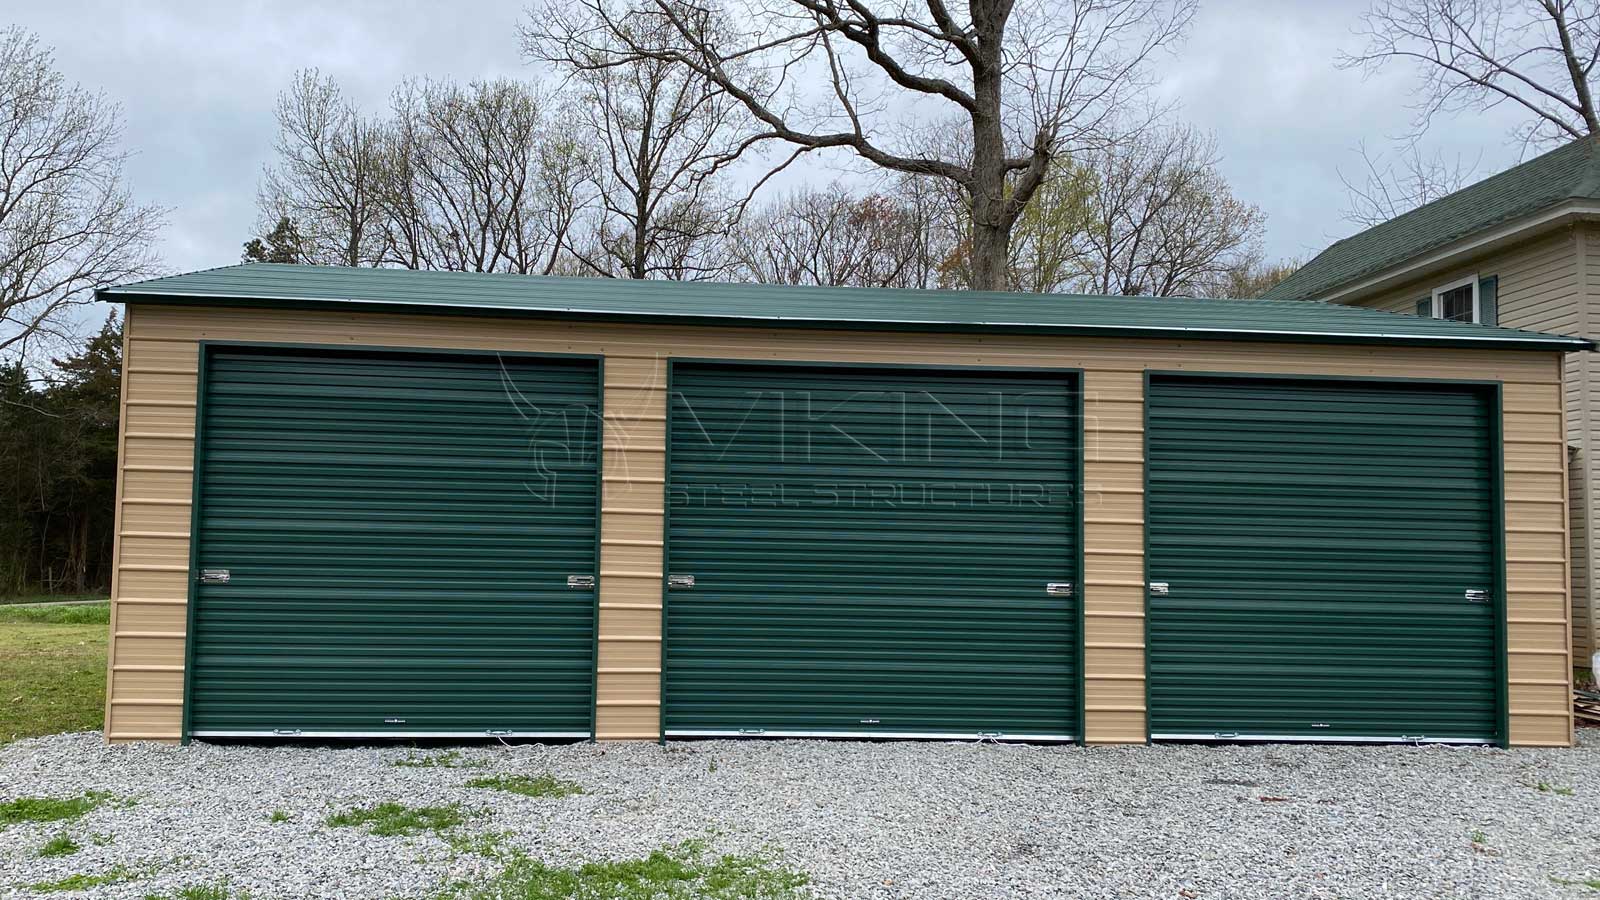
(1323,559)
(359,502)
(886,551)
(385,542)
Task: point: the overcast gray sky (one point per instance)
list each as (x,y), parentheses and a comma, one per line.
(198,80)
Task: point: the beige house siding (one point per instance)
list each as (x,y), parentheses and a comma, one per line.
(147,657)
(1552,284)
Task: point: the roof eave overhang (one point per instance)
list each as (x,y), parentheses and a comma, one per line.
(1557,343)
(1488,240)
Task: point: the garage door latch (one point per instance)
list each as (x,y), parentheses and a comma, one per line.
(580,581)
(214,576)
(1059,588)
(680,581)
(1477,596)
(1159,588)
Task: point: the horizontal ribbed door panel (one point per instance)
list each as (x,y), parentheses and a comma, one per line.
(398,529)
(1318,540)
(871,550)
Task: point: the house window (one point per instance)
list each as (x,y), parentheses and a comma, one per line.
(1457,300)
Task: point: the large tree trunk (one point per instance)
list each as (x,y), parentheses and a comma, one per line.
(991,251)
(991,222)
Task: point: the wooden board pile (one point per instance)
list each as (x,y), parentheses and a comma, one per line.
(1586,705)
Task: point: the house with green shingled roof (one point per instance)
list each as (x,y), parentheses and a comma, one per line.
(1520,249)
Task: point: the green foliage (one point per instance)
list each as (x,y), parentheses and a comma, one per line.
(1592,884)
(394,819)
(1044,255)
(58,467)
(676,873)
(1545,787)
(278,816)
(529,785)
(50,809)
(283,244)
(445,759)
(80,882)
(60,845)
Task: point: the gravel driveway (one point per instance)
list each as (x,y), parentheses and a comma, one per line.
(864,820)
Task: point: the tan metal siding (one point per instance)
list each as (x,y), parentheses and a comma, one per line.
(1583,433)
(162,353)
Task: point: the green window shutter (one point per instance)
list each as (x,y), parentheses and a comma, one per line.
(1488,307)
(1425,307)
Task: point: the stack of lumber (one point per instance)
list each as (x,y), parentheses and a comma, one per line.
(1586,705)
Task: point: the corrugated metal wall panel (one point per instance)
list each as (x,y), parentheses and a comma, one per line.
(399,528)
(871,550)
(1318,538)
(165,340)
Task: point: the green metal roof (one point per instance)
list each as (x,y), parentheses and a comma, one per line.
(1570,172)
(472,293)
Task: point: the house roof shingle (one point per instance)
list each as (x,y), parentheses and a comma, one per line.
(1570,172)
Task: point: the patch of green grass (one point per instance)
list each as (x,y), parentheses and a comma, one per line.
(52,670)
(50,809)
(49,598)
(199,892)
(529,785)
(60,845)
(1545,787)
(279,815)
(83,614)
(81,882)
(395,819)
(677,873)
(1592,884)
(1478,837)
(445,759)
(488,844)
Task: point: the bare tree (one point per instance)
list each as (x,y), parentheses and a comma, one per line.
(1474,55)
(663,133)
(471,178)
(1252,278)
(67,222)
(1031,79)
(479,177)
(1163,220)
(834,236)
(1391,187)
(326,177)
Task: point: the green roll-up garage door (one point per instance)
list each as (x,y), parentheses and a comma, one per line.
(872,553)
(397,531)
(1323,560)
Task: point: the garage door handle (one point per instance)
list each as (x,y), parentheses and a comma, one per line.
(214,576)
(1477,596)
(1159,588)
(680,581)
(1059,588)
(580,581)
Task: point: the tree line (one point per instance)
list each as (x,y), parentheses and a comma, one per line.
(58,469)
(1035,158)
